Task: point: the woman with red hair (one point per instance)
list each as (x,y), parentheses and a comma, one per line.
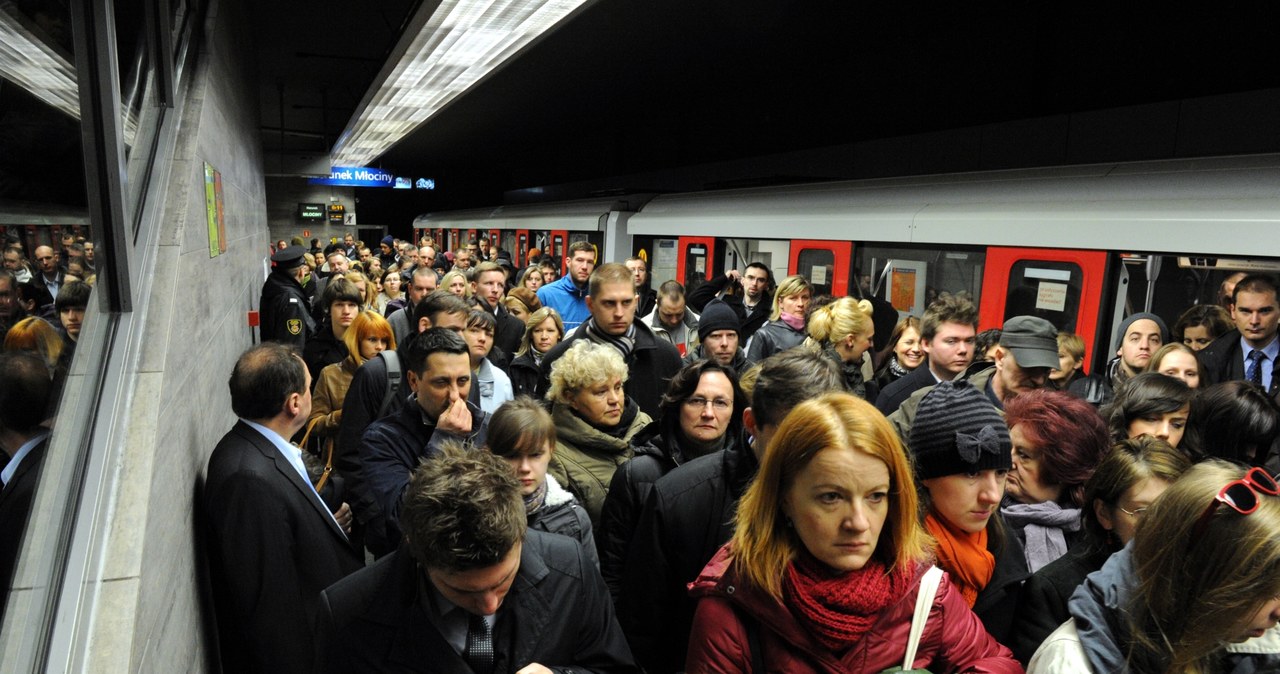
(1058,439)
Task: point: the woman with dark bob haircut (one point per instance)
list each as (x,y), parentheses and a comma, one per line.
(1129,479)
(1198,326)
(1150,404)
(700,413)
(1234,420)
(1058,439)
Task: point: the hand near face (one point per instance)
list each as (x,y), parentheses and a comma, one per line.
(456,419)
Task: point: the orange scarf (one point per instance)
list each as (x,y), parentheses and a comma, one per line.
(964,556)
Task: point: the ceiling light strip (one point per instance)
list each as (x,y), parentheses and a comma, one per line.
(449,48)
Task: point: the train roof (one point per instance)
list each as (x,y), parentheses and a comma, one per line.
(1222,205)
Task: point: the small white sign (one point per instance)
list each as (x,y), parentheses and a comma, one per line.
(349,219)
(1052,296)
(818,276)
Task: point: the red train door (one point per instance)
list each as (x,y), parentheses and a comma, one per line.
(1062,286)
(826,265)
(695,260)
(558,242)
(521,255)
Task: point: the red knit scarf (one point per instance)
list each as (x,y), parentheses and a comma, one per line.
(964,556)
(838,607)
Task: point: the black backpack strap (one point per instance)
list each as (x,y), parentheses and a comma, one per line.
(392,361)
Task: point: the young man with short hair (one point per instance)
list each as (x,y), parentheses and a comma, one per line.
(568,295)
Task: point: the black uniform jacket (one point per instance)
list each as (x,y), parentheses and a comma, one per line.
(284,311)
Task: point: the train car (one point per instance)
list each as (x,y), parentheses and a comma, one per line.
(1082,246)
(33,225)
(550,228)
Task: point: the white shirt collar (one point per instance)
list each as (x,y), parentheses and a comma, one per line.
(18,456)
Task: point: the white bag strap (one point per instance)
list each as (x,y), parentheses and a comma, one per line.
(924,603)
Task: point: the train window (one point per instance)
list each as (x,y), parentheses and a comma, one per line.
(911,277)
(1050,290)
(817,266)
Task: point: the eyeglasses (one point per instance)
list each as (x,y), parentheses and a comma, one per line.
(718,404)
(1136,512)
(1243,496)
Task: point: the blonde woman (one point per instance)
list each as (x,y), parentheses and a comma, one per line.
(785,328)
(595,421)
(842,331)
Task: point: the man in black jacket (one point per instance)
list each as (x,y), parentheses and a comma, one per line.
(285,312)
(25,388)
(273,545)
(756,301)
(651,361)
(472,589)
(438,367)
(948,331)
(690,513)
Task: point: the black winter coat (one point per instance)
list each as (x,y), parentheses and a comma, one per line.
(689,514)
(657,453)
(524,376)
(1043,605)
(390,451)
(285,312)
(998,601)
(557,613)
(321,350)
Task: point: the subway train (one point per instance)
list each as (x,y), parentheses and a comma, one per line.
(1082,246)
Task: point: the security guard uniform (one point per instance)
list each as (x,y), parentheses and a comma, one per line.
(284,306)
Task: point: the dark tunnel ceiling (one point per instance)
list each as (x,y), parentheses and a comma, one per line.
(630,86)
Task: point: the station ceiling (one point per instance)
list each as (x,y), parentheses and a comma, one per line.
(627,86)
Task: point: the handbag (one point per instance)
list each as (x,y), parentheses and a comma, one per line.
(924,603)
(326,449)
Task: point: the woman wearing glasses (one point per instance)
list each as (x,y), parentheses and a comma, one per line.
(701,413)
(1124,485)
(1196,590)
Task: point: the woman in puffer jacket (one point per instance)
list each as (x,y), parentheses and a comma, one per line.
(824,568)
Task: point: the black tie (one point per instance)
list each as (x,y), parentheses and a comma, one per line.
(1254,372)
(479,645)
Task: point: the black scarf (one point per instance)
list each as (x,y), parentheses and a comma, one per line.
(852,371)
(624,343)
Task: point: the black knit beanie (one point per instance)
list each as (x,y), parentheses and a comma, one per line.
(717,316)
(956,431)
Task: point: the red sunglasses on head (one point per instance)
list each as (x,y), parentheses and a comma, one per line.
(1243,496)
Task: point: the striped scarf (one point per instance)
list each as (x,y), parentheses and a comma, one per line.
(625,343)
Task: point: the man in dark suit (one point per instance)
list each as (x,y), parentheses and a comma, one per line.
(1251,350)
(24,399)
(471,589)
(272,543)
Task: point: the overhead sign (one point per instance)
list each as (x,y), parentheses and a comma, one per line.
(342,176)
(356,177)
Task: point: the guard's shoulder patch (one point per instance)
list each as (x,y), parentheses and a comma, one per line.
(294,325)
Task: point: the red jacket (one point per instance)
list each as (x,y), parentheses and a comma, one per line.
(953,640)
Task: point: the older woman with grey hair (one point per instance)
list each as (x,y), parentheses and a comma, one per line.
(595,421)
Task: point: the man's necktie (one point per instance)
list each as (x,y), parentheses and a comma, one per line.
(1253,372)
(479,645)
